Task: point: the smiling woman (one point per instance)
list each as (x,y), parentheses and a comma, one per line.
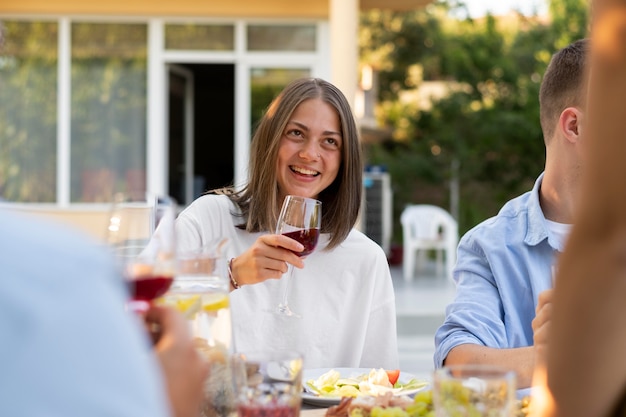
(309,155)
(306,145)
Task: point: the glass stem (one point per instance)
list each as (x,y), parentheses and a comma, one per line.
(285,303)
(283,307)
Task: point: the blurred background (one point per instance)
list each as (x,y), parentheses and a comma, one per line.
(98,97)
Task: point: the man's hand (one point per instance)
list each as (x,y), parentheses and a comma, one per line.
(541,325)
(183,368)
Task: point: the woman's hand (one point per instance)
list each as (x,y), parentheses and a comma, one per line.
(183,368)
(267,258)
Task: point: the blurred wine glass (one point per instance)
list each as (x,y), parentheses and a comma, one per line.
(141,234)
(300,219)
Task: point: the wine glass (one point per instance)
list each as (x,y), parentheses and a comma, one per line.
(300,219)
(473,390)
(141,234)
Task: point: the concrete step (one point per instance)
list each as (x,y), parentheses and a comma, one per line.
(416,355)
(413,325)
(420,310)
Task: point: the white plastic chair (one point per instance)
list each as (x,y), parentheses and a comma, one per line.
(427,227)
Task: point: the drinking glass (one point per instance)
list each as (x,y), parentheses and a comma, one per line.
(141,234)
(268,384)
(300,219)
(473,390)
(200,292)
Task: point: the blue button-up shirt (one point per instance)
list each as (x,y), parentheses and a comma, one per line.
(502,266)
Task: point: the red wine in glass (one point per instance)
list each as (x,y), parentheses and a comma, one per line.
(300,219)
(308,238)
(147,288)
(141,235)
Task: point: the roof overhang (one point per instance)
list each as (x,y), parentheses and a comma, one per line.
(396,5)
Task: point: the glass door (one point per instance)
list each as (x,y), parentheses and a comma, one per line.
(180,128)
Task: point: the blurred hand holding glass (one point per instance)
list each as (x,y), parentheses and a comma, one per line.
(473,390)
(268,384)
(201,293)
(141,235)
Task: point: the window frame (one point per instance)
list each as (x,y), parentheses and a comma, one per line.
(318,63)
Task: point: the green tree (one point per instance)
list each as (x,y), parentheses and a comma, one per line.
(488,123)
(570,20)
(28,93)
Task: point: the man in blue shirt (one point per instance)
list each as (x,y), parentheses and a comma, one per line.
(68,346)
(505,262)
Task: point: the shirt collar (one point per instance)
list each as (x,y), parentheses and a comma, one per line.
(536,230)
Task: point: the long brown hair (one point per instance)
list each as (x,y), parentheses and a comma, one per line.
(341,200)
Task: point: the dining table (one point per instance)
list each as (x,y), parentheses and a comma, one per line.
(523,396)
(313,412)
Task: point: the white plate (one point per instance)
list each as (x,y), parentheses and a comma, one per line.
(308,397)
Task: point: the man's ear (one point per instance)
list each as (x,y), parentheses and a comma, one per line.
(570,123)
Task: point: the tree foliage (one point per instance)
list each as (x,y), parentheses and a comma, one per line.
(487,122)
(108,68)
(27,121)
(569,20)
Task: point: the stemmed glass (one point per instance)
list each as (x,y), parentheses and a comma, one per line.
(141,234)
(300,219)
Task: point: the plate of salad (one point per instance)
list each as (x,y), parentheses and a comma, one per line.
(326,386)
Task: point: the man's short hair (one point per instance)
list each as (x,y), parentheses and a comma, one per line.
(563,85)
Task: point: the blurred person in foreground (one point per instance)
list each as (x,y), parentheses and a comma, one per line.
(504,265)
(586,333)
(307,145)
(68,346)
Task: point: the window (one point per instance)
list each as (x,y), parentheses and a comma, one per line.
(28,113)
(199,37)
(295,38)
(108,102)
(265,84)
(89,140)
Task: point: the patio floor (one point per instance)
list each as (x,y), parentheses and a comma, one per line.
(420,308)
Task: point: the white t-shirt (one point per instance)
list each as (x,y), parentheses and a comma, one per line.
(345,296)
(559,232)
(68,347)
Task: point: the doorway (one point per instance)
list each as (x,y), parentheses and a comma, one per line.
(201,128)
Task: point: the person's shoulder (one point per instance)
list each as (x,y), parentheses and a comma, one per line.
(361,243)
(516,206)
(19,231)
(37,249)
(511,212)
(211,201)
(210,205)
(510,223)
(358,237)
